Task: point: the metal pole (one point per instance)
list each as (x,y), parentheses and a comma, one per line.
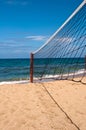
(31,68)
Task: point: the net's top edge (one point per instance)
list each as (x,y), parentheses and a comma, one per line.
(71,16)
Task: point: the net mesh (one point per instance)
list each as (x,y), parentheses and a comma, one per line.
(64,56)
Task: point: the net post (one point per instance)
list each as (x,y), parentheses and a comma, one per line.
(85,62)
(31,67)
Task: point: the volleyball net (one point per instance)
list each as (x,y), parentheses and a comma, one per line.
(63,56)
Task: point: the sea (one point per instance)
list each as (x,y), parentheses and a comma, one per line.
(14,69)
(19,69)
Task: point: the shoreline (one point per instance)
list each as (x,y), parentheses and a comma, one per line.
(14,82)
(47,78)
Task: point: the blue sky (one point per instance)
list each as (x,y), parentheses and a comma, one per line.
(25,25)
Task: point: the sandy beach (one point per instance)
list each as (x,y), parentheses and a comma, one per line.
(57,105)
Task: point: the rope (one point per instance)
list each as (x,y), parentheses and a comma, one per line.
(60,107)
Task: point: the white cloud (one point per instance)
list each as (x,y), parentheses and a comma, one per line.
(37,38)
(16,2)
(9,41)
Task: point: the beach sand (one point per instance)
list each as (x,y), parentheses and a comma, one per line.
(57,105)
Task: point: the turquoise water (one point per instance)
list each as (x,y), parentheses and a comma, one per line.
(19,69)
(58,66)
(14,69)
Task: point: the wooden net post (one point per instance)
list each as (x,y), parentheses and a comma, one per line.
(85,62)
(31,68)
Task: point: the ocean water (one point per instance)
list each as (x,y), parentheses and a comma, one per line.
(58,66)
(14,69)
(19,69)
